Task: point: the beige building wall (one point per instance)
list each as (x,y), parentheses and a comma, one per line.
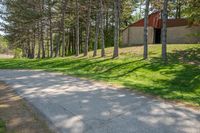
(175,35)
(125,37)
(183,34)
(135,36)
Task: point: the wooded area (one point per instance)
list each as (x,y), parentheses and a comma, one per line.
(59,28)
(98,66)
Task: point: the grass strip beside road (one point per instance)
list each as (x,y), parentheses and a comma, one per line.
(178,80)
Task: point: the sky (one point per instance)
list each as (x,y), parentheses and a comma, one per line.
(1,32)
(2,8)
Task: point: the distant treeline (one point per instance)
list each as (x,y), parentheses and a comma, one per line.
(4,49)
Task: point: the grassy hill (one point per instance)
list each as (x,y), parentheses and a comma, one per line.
(178,80)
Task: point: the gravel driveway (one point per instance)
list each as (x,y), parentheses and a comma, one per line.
(73,105)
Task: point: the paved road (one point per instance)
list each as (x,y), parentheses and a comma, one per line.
(73,105)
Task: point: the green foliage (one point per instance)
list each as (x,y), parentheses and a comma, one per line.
(17,53)
(2,126)
(177,80)
(3,45)
(192,11)
(128,6)
(109,37)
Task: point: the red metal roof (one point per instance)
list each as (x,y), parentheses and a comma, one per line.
(177,22)
(156,21)
(153,21)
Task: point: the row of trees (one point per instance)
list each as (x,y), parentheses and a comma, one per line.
(52,28)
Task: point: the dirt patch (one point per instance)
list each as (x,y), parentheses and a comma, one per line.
(17,115)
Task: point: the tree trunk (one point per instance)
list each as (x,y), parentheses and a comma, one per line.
(63,27)
(57,45)
(48,47)
(72,40)
(77,28)
(42,42)
(50,29)
(145,56)
(39,50)
(33,46)
(39,45)
(116,36)
(29,47)
(107,19)
(164,31)
(42,34)
(80,39)
(178,9)
(96,35)
(88,29)
(140,10)
(102,29)
(68,43)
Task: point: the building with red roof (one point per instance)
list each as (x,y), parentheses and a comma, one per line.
(178,31)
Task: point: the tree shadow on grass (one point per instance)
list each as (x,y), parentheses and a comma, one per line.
(188,56)
(19,63)
(89,63)
(65,62)
(183,76)
(120,65)
(125,73)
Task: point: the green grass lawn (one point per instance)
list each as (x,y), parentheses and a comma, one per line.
(178,80)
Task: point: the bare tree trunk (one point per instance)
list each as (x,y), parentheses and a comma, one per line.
(178,8)
(42,34)
(68,42)
(106,19)
(102,29)
(74,41)
(77,28)
(140,14)
(39,45)
(23,50)
(33,46)
(164,30)
(39,50)
(145,56)
(88,29)
(48,47)
(50,29)
(42,42)
(116,36)
(81,42)
(57,45)
(96,35)
(29,47)
(63,27)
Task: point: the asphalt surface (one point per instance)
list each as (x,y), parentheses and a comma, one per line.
(73,105)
